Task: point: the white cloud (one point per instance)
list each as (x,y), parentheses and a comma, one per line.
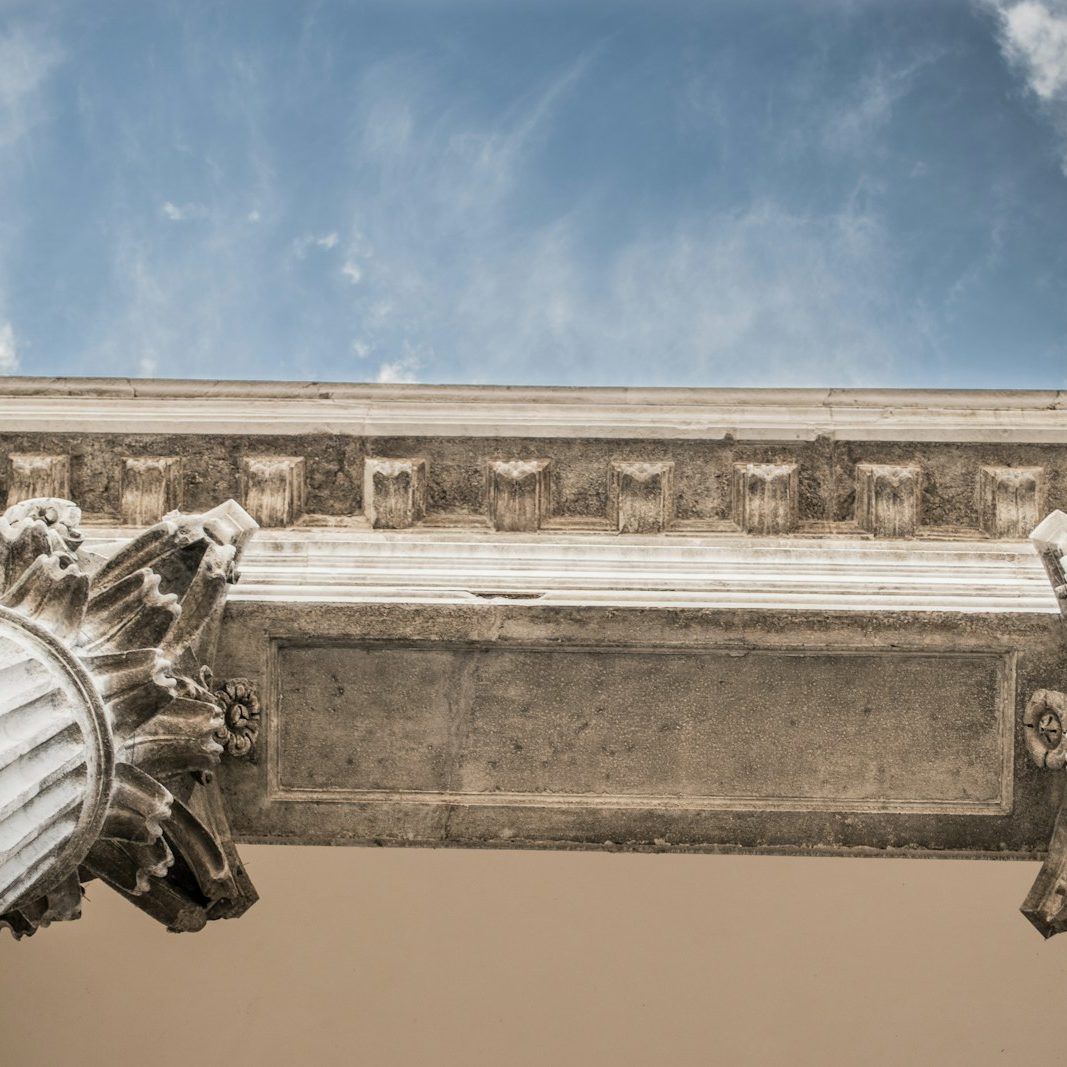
(1033,39)
(9,356)
(181,212)
(253,216)
(405,368)
(361,350)
(399,371)
(1034,36)
(352,272)
(302,244)
(25,63)
(147,367)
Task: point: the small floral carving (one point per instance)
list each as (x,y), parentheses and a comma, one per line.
(240,708)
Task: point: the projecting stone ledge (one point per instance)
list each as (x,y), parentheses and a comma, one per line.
(765,497)
(642,496)
(888,498)
(394,492)
(517,494)
(842,463)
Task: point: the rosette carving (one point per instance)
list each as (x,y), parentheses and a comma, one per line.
(108,732)
(239,701)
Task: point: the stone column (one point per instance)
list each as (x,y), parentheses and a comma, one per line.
(109,724)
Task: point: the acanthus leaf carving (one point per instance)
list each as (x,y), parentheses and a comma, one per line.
(109,727)
(1044,723)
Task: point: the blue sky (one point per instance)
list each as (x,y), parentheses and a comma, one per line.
(866,193)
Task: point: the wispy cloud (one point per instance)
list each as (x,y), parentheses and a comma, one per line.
(181,212)
(9,356)
(735,215)
(303,244)
(26,60)
(861,118)
(716,297)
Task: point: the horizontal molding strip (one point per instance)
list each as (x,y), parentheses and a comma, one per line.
(831,574)
(602,802)
(203,407)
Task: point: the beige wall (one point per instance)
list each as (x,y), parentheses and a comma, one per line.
(446,957)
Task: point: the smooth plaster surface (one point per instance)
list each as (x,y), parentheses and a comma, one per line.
(393,957)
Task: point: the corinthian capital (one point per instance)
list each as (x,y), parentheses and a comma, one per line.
(108,727)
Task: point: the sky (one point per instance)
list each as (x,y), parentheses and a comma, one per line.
(555,192)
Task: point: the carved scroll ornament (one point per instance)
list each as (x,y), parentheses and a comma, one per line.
(1045,729)
(108,728)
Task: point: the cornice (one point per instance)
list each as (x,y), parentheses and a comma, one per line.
(93,405)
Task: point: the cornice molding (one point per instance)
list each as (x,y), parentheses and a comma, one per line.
(91,405)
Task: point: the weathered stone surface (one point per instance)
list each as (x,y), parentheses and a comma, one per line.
(1011,500)
(57,762)
(36,475)
(680,728)
(599,726)
(580,466)
(517,494)
(765,497)
(812,689)
(394,492)
(888,499)
(107,727)
(273,488)
(642,496)
(151,487)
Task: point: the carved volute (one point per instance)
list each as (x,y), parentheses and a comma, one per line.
(1045,726)
(109,729)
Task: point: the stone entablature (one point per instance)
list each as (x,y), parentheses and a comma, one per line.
(855,464)
(790,621)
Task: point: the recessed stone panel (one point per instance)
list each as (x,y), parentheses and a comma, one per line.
(602,727)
